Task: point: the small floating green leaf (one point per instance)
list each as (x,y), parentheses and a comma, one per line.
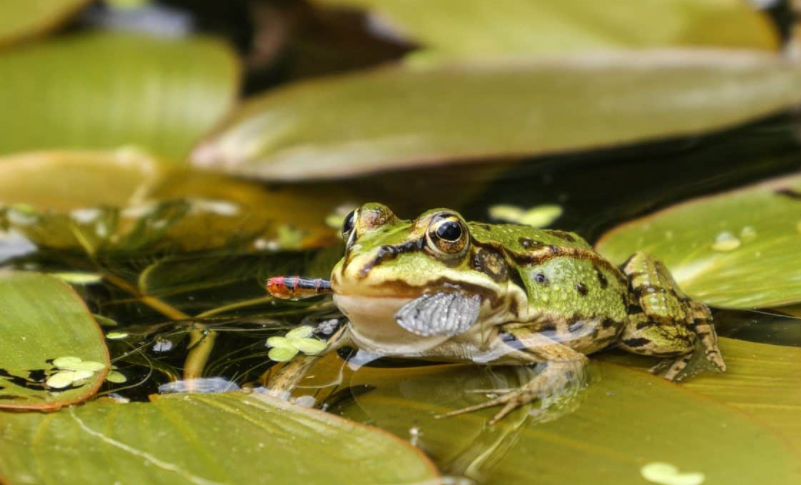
(76,364)
(739,249)
(309,346)
(208,439)
(116,335)
(300,332)
(77,278)
(282,354)
(395,118)
(539,216)
(278,342)
(43,320)
(116,377)
(66,361)
(60,380)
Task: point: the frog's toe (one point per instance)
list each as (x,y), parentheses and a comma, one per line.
(671,369)
(510,401)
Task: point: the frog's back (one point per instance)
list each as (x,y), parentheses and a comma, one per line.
(572,291)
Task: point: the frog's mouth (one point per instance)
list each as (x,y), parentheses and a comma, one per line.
(374,328)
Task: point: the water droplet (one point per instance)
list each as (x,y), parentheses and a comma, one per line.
(748,233)
(726,241)
(668,474)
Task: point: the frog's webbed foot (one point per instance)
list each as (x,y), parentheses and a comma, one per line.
(562,376)
(664,322)
(557,382)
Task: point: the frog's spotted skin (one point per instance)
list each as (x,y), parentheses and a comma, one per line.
(443,289)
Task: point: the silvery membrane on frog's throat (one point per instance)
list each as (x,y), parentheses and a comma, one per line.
(374,327)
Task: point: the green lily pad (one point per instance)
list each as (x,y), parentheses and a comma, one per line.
(165,93)
(26,18)
(396,118)
(761,380)
(127,199)
(739,249)
(475,28)
(625,420)
(42,322)
(213,439)
(73,180)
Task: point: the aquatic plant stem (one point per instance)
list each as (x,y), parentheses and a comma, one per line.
(201,343)
(201,339)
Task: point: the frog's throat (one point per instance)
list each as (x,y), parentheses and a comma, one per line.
(373,325)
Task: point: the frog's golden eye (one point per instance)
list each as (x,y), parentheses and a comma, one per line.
(447,234)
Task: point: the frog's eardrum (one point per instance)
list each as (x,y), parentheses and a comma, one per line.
(448,314)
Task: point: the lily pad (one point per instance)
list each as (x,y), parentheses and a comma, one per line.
(403,117)
(739,249)
(113,200)
(476,28)
(43,321)
(70,180)
(165,93)
(624,420)
(25,18)
(213,439)
(761,380)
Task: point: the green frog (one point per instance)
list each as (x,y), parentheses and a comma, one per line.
(441,288)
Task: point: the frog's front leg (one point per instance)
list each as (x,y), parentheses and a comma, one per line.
(287,378)
(663,321)
(563,372)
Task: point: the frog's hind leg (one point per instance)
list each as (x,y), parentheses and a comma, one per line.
(563,373)
(663,321)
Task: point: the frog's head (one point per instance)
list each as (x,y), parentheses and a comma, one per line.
(389,262)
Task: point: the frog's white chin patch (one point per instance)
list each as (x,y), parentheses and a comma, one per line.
(373,326)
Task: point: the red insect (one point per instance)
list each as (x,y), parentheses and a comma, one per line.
(288,287)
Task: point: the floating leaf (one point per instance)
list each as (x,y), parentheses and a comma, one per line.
(739,249)
(309,346)
(401,117)
(116,377)
(110,201)
(539,216)
(26,18)
(762,380)
(624,420)
(78,364)
(74,180)
(300,332)
(42,319)
(104,91)
(282,354)
(212,439)
(475,28)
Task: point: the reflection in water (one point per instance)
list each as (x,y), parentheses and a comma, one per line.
(408,401)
